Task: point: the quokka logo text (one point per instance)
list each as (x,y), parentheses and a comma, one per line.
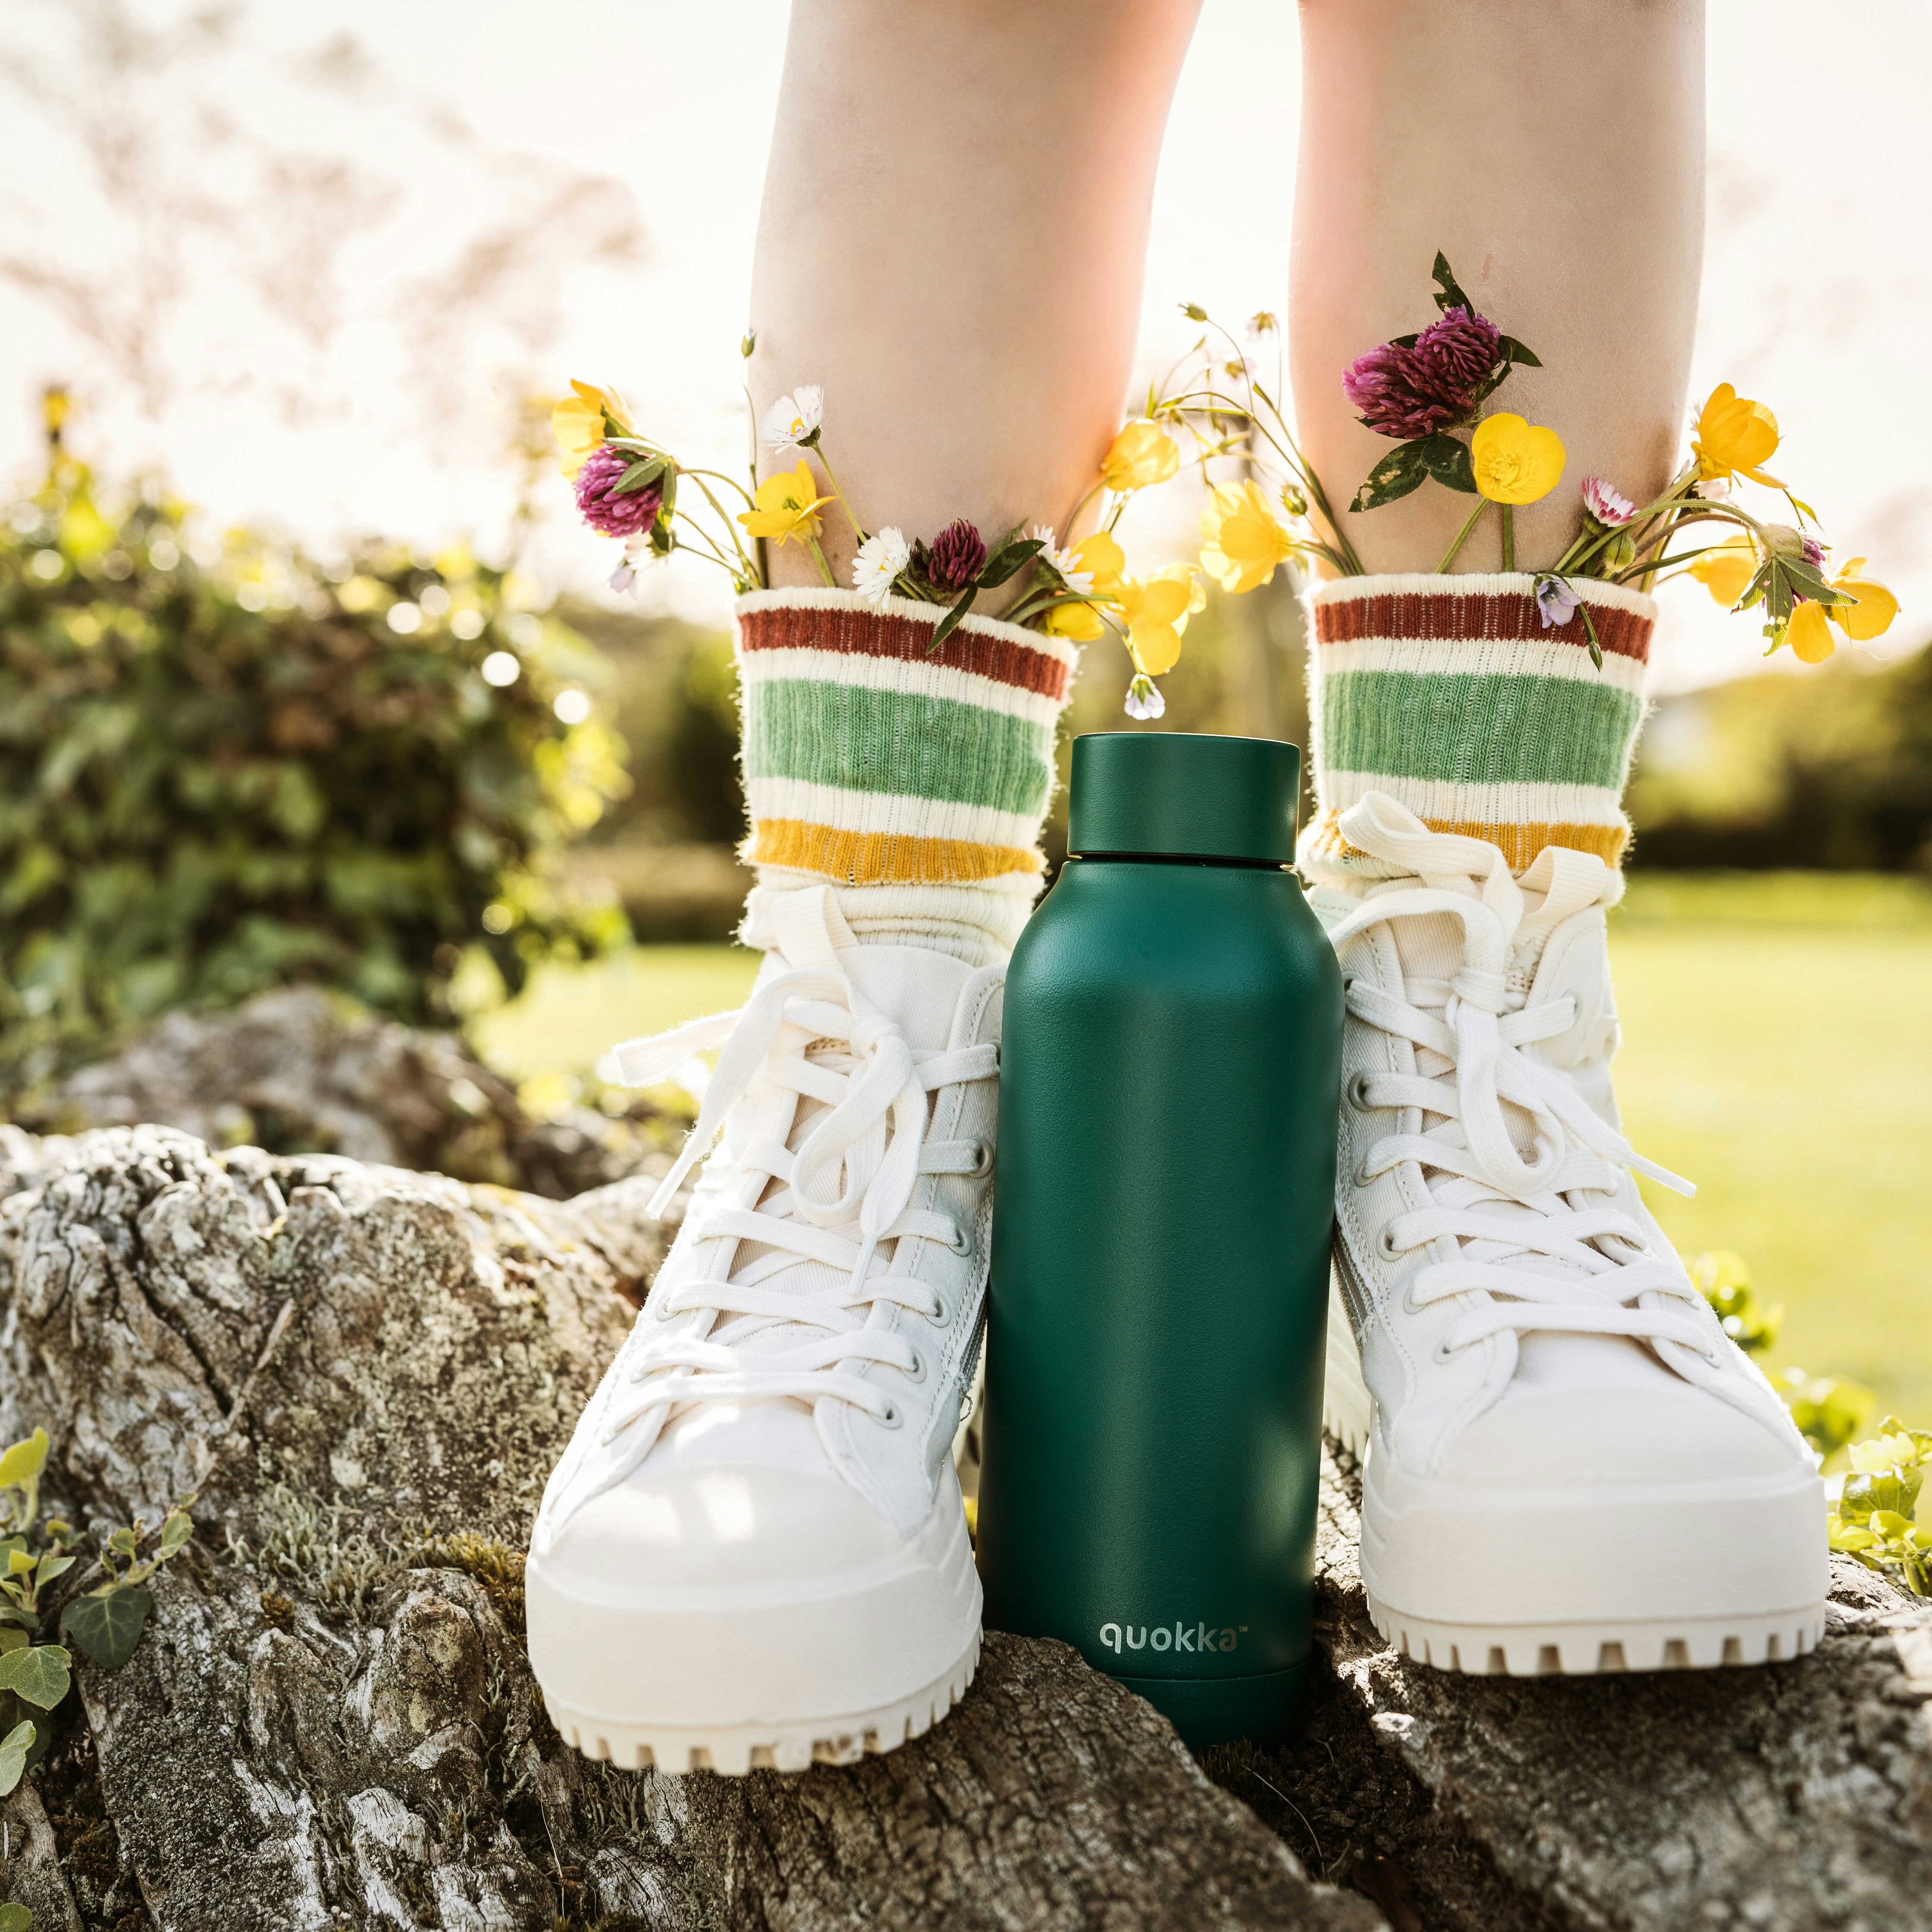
(1181,1636)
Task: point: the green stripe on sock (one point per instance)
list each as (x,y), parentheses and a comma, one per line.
(1487,730)
(895,742)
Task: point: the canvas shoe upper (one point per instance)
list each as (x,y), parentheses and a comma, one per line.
(754,1550)
(1569,1466)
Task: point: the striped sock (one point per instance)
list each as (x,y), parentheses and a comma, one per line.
(1450,695)
(916,780)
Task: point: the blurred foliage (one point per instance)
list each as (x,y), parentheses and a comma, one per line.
(1829,1410)
(1875,1518)
(224,766)
(1832,770)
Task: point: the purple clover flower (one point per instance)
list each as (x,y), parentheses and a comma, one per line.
(1460,348)
(1415,392)
(602,508)
(956,556)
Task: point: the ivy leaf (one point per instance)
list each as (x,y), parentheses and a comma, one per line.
(122,1542)
(14,1749)
(108,1627)
(51,1566)
(1447,461)
(1403,469)
(949,622)
(16,1918)
(1452,296)
(12,1638)
(22,1463)
(176,1530)
(38,1675)
(1009,558)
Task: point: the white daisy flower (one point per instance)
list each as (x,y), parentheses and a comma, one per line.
(792,421)
(881,558)
(1065,562)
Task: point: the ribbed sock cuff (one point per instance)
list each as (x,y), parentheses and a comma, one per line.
(1451,694)
(871,759)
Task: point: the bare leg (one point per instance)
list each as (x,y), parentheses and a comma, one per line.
(952,243)
(1554,150)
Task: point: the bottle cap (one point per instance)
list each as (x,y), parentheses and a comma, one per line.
(1183,795)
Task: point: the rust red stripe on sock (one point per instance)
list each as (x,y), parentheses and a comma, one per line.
(1448,617)
(881,634)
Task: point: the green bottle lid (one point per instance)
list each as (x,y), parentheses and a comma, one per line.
(1183,795)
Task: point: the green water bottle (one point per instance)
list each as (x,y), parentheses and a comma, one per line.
(1164,1191)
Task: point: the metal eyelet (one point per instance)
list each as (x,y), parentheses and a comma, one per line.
(938,1316)
(1363,1176)
(1385,1246)
(892,1417)
(1443,1354)
(982,1161)
(917,1373)
(1357,1092)
(961,1243)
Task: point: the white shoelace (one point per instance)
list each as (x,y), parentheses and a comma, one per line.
(846,1191)
(1610,1281)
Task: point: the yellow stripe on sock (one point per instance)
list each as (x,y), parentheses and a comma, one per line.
(882,858)
(1518,844)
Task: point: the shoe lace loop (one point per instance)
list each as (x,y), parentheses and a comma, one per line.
(1574,1263)
(844,1190)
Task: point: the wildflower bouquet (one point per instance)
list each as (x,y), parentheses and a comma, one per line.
(627,487)
(1426,391)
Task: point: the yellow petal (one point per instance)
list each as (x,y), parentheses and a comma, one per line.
(1142,454)
(1515,461)
(1098,553)
(1871,615)
(1809,636)
(1727,570)
(1080,621)
(1156,648)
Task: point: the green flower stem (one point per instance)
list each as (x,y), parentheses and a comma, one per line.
(824,569)
(818,450)
(1509,538)
(1463,536)
(731,525)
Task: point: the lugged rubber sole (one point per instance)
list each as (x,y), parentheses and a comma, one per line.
(736,1749)
(1582,1650)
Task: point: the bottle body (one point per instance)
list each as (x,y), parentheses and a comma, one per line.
(1164,1196)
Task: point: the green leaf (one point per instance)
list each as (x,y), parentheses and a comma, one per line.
(39,1674)
(1406,341)
(107,1626)
(1448,460)
(640,476)
(122,1542)
(949,622)
(16,1918)
(1452,296)
(22,1463)
(14,1749)
(176,1530)
(51,1566)
(1516,352)
(1401,470)
(1007,560)
(12,1637)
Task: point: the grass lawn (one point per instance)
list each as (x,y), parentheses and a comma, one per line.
(1777,1050)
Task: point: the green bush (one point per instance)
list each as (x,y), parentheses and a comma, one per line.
(224,766)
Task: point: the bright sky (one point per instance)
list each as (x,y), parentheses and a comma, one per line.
(335,277)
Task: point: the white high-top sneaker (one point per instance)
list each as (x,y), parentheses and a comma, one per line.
(1570,1467)
(754,1550)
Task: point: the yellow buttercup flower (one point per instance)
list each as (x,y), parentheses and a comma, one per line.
(1515,461)
(1810,634)
(1727,571)
(1100,557)
(1242,541)
(1734,435)
(577,422)
(1871,615)
(787,506)
(1156,608)
(1143,453)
